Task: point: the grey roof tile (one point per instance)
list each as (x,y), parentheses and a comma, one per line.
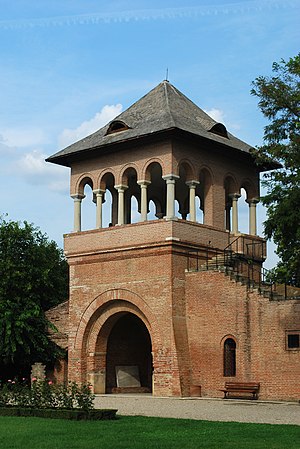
(162,109)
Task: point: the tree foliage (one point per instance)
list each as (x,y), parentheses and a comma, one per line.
(279,101)
(33,278)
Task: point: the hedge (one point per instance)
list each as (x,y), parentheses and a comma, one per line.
(74,414)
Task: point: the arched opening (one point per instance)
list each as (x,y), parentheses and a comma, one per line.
(128,356)
(132,195)
(135,213)
(156,191)
(177,209)
(116,126)
(88,208)
(229,362)
(219,129)
(110,200)
(243,210)
(199,211)
(152,211)
(107,209)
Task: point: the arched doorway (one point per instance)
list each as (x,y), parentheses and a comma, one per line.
(128,356)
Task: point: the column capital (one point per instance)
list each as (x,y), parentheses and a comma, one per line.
(170,177)
(78,196)
(121,188)
(192,183)
(234,196)
(98,192)
(252,201)
(143,182)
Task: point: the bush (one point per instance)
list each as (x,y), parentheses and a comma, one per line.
(46,395)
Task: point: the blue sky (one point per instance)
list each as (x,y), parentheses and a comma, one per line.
(68,67)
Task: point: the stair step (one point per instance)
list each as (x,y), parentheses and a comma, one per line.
(225,263)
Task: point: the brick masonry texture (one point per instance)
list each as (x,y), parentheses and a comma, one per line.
(137,273)
(188,315)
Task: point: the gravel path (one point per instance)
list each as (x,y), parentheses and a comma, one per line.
(203,409)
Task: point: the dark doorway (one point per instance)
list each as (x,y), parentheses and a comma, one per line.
(129,345)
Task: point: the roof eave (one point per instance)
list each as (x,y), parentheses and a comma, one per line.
(67,159)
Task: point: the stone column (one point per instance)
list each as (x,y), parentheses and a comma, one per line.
(227,216)
(78,197)
(121,203)
(144,200)
(192,194)
(235,222)
(252,216)
(99,200)
(170,209)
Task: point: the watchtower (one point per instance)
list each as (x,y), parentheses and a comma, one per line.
(147,306)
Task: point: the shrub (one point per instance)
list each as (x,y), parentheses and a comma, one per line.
(46,395)
(56,413)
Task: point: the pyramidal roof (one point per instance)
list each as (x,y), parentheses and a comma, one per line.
(163,109)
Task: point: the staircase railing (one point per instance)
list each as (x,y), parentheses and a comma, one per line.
(242,260)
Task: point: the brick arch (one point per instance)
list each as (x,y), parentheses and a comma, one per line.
(101,183)
(230,184)
(229,358)
(126,301)
(223,339)
(250,189)
(145,173)
(82,181)
(122,177)
(189,169)
(205,172)
(97,339)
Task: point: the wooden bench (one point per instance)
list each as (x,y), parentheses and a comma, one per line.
(241,388)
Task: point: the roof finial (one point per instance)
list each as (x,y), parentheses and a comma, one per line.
(167,75)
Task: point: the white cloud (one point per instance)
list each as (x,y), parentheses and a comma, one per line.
(217,114)
(36,171)
(32,163)
(107,113)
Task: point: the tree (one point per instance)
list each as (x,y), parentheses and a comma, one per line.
(279,101)
(33,278)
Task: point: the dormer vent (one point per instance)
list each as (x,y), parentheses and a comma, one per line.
(219,129)
(116,126)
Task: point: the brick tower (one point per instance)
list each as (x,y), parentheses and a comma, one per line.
(171,305)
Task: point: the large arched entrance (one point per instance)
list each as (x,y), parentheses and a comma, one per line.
(128,356)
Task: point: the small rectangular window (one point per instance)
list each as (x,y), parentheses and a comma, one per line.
(293,340)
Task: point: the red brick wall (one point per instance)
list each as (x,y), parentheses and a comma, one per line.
(188,314)
(59,316)
(218,307)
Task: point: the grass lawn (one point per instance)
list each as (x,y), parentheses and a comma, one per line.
(143,433)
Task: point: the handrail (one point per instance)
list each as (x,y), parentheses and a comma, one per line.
(240,265)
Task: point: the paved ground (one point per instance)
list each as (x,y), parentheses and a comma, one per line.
(203,409)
